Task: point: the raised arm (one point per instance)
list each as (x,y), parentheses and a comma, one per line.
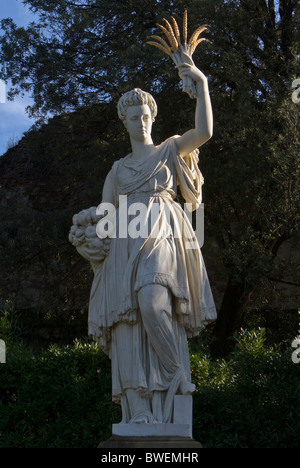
(203,130)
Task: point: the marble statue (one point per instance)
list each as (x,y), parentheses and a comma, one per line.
(150,290)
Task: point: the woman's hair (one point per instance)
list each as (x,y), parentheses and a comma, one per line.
(136,97)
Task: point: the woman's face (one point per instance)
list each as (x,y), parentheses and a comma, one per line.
(139,122)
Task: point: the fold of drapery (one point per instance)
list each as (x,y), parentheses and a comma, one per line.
(128,266)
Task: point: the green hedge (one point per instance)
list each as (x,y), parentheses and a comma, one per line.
(58,398)
(61,397)
(251,399)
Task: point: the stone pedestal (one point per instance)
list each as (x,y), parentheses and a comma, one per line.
(178,434)
(152,430)
(166,443)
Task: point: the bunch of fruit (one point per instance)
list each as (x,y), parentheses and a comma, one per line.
(83,231)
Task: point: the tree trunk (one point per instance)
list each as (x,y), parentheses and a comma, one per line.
(229,319)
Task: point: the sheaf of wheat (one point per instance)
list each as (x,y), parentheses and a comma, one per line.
(173,36)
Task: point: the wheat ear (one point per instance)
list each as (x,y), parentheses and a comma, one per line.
(159,47)
(196,43)
(184,32)
(196,34)
(176,30)
(163,42)
(174,40)
(169,36)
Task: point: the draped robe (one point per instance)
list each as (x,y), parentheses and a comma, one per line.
(161,256)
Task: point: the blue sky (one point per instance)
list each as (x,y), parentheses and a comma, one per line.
(13,118)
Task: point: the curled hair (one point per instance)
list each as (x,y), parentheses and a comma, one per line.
(136,97)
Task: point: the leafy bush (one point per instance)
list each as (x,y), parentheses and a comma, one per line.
(10,328)
(58,398)
(250,399)
(61,397)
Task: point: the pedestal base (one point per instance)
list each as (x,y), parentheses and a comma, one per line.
(152,430)
(150,442)
(177,434)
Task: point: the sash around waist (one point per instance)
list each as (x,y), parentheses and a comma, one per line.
(151,194)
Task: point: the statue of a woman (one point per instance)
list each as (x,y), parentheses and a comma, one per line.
(150,291)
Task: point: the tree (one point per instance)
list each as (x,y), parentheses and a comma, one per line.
(89,51)
(82,52)
(253,159)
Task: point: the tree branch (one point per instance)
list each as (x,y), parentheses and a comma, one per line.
(277,280)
